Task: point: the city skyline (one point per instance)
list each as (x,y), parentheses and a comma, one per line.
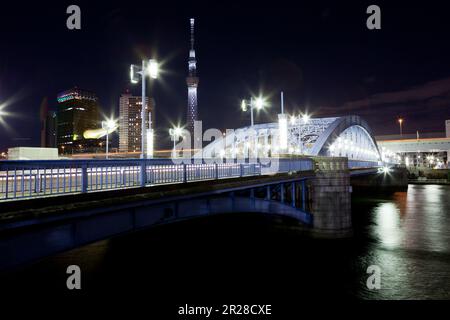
(387,75)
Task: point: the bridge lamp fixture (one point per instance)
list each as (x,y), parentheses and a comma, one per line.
(109,126)
(175,133)
(244,105)
(149,68)
(305,118)
(292,120)
(258,103)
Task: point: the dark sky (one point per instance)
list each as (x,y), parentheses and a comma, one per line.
(321,54)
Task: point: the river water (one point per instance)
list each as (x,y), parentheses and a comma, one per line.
(243,256)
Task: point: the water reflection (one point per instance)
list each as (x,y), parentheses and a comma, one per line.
(412,244)
(387,230)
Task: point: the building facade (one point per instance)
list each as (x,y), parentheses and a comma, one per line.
(192,84)
(130,121)
(77,111)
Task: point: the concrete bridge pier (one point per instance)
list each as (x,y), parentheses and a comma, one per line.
(330,198)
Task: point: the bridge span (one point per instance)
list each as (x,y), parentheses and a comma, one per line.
(316,192)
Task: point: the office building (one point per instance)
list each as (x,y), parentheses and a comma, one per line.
(130,121)
(77,111)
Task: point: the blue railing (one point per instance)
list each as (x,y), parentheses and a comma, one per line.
(29,179)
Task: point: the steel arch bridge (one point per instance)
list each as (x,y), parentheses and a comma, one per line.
(348,136)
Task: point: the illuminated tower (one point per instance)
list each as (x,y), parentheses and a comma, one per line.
(192,83)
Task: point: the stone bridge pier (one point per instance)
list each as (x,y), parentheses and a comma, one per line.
(330,198)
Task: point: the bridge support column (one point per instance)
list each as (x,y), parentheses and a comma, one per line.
(293,194)
(282,192)
(330,198)
(304,195)
(268,192)
(143,173)
(84,179)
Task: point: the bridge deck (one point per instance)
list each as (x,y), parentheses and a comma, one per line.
(15,214)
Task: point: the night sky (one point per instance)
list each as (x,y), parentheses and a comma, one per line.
(320,54)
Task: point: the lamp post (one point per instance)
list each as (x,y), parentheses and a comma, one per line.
(149,68)
(400,122)
(257,103)
(108,125)
(175,133)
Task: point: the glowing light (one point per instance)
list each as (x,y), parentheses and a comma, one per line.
(384,170)
(306,118)
(259,103)
(133,77)
(153,68)
(109,124)
(176,132)
(293,119)
(244,105)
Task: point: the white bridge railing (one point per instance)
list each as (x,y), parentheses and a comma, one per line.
(31,179)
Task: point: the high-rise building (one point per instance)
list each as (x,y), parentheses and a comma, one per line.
(130,121)
(192,84)
(77,111)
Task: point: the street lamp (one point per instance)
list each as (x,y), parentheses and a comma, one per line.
(150,68)
(175,133)
(400,122)
(257,103)
(109,125)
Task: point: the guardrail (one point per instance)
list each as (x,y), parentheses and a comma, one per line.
(29,179)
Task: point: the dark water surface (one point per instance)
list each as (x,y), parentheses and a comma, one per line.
(251,258)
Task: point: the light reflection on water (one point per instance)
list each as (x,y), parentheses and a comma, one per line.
(411,244)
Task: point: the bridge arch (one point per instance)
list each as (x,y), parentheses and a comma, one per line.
(348,136)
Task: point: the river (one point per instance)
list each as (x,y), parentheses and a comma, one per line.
(215,259)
